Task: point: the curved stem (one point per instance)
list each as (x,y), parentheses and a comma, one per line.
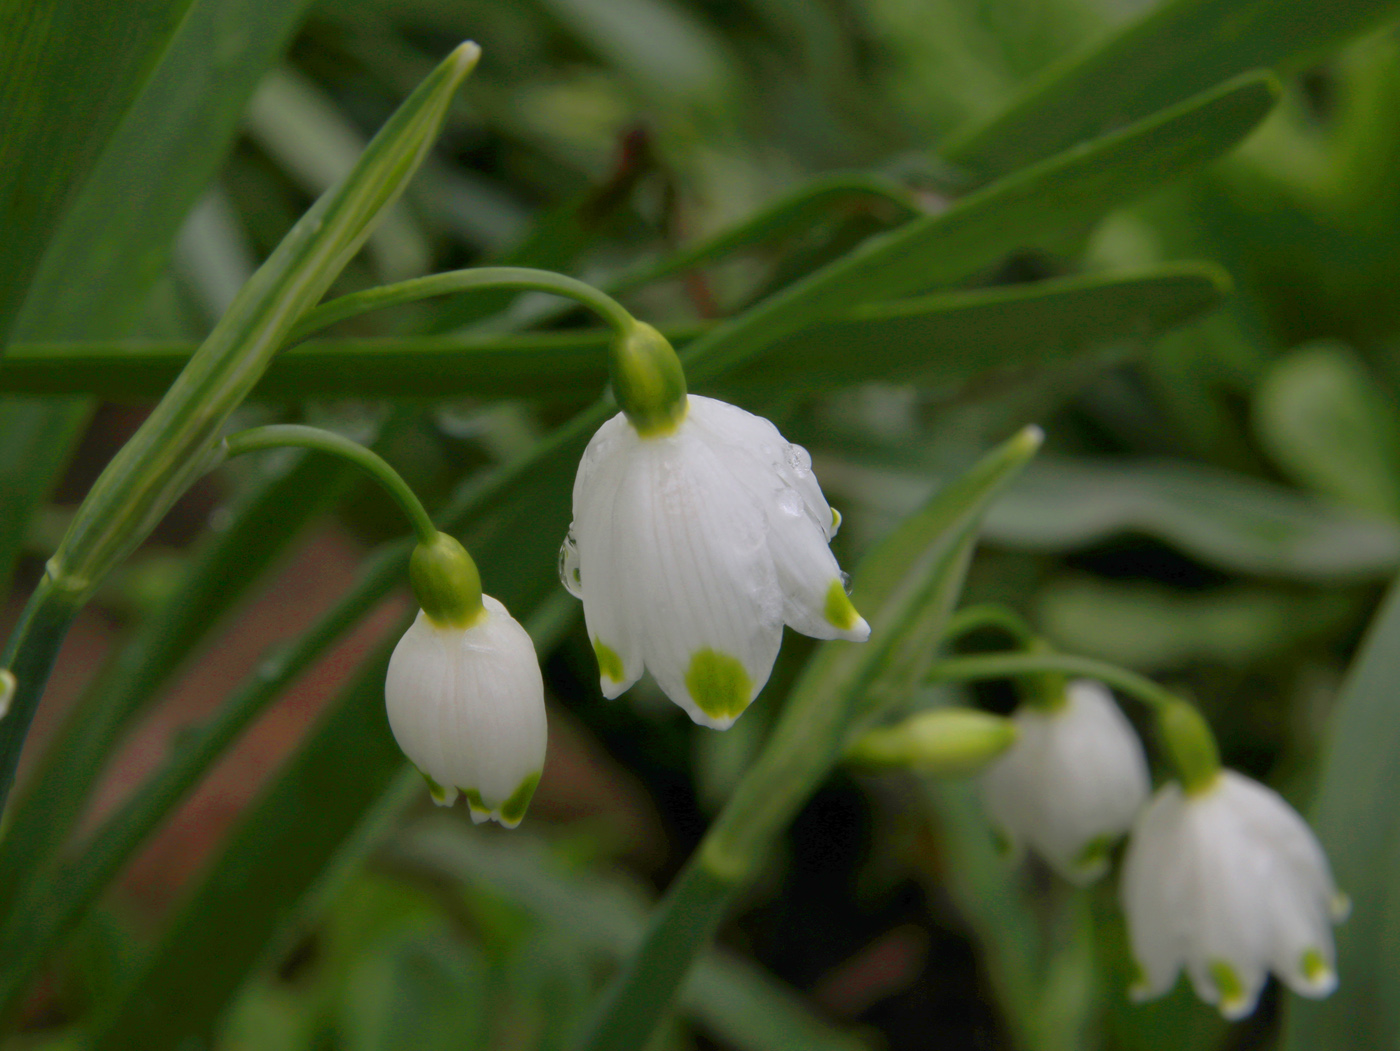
(974,618)
(1015,665)
(523,278)
(290,434)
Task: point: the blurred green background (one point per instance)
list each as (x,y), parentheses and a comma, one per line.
(1217,505)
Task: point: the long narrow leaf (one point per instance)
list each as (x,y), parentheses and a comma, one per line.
(732,998)
(1173,50)
(63,67)
(935,341)
(1361,835)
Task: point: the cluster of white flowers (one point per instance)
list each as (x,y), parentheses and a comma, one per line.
(692,545)
(1223,879)
(698,533)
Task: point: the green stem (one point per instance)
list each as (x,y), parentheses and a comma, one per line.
(682,925)
(1183,731)
(31,933)
(1017,665)
(974,618)
(282,435)
(29,657)
(523,278)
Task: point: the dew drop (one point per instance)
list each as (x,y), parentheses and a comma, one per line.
(570,574)
(846,581)
(791,503)
(799,459)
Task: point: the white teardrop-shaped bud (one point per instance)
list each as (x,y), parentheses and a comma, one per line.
(692,548)
(1072,782)
(466,705)
(1230,883)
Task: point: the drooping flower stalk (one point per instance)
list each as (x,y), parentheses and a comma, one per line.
(1222,878)
(464,694)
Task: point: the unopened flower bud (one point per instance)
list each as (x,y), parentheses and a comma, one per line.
(945,742)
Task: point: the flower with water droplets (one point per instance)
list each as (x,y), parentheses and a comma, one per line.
(698,533)
(1072,782)
(464,693)
(1226,880)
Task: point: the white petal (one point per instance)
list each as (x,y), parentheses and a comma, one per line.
(1230,930)
(1073,781)
(778,477)
(756,439)
(699,589)
(467,707)
(1153,891)
(1297,886)
(596,533)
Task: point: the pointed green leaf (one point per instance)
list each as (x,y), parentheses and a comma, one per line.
(1361,836)
(1173,50)
(739,1003)
(172,446)
(67,74)
(935,341)
(1026,210)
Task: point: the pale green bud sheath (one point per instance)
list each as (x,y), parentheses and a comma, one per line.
(1191,745)
(648,380)
(446,582)
(943,742)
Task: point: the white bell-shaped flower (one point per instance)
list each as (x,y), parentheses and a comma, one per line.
(1071,783)
(1229,882)
(691,548)
(466,705)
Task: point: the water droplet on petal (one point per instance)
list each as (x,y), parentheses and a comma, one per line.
(846,581)
(570,573)
(799,459)
(790,502)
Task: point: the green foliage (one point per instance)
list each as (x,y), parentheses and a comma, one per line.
(1209,345)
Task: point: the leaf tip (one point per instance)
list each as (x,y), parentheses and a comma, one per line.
(464,57)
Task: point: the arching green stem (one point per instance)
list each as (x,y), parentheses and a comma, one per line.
(1016,665)
(974,618)
(1183,731)
(282,435)
(523,278)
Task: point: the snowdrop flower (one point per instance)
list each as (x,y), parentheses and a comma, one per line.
(698,532)
(464,693)
(1226,880)
(1072,782)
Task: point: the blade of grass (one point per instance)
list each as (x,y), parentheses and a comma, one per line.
(937,340)
(1172,51)
(736,1001)
(67,74)
(1021,211)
